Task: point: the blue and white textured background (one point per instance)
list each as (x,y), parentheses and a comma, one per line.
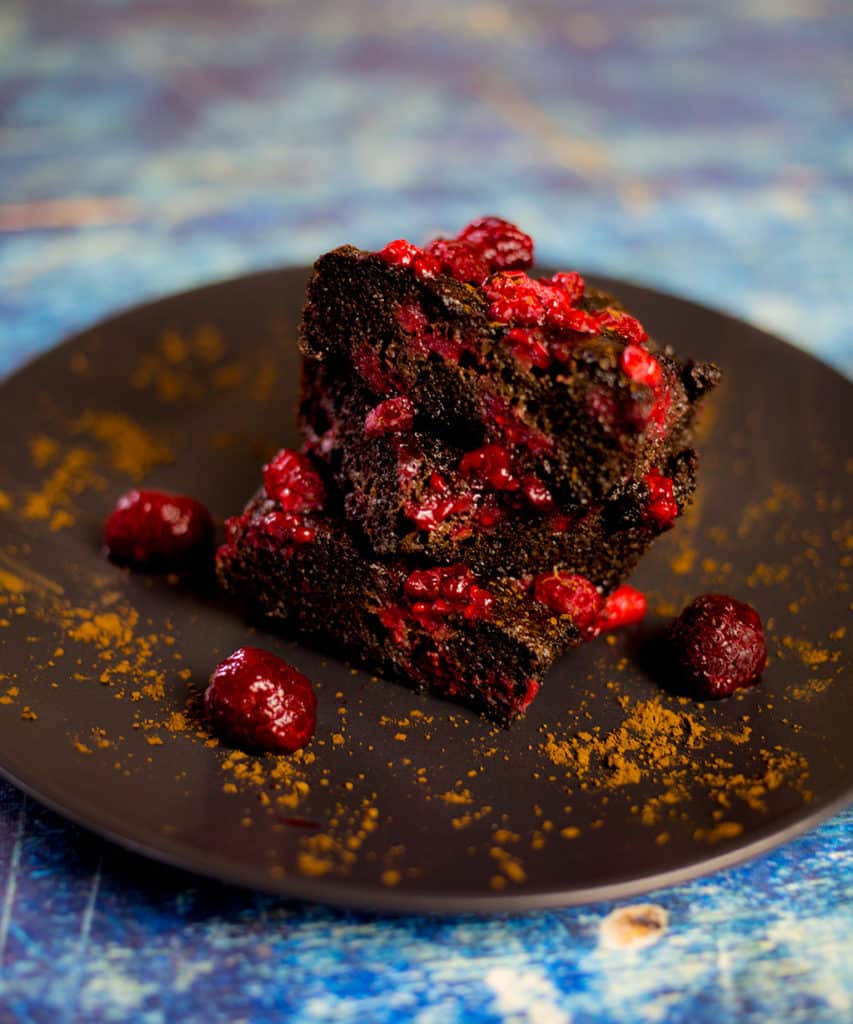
(145,147)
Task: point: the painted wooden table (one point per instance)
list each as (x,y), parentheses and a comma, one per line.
(144,147)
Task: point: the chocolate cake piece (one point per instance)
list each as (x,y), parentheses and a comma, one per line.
(488,354)
(413,493)
(485,643)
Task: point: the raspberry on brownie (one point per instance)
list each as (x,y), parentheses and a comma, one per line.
(548,367)
(488,454)
(484,642)
(411,492)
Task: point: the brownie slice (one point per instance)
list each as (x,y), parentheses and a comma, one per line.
(485,643)
(550,367)
(410,492)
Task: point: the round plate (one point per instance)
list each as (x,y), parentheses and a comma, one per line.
(610,785)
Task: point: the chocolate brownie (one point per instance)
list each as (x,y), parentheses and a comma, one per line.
(410,492)
(490,355)
(485,643)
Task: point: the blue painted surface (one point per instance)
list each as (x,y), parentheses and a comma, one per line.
(706,149)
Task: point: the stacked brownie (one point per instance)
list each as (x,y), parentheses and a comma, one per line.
(487,456)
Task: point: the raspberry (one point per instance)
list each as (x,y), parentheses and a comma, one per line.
(286,526)
(641,366)
(717,646)
(529,347)
(459,259)
(256,700)
(368,365)
(515,298)
(152,528)
(412,318)
(662,506)
(623,607)
(492,464)
(291,480)
(501,244)
(577,320)
(573,284)
(446,590)
(438,505)
(393,416)
(571,595)
(625,326)
(537,494)
(490,513)
(401,253)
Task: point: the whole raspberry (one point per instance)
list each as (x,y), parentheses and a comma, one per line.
(152,528)
(571,595)
(258,701)
(501,244)
(291,480)
(717,646)
(459,259)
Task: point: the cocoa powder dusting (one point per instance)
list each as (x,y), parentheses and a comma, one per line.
(679,752)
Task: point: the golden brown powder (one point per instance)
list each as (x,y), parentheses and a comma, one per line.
(11,583)
(679,753)
(74,474)
(131,448)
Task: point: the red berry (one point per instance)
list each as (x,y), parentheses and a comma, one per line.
(393,416)
(151,528)
(490,513)
(662,506)
(291,480)
(641,366)
(577,320)
(573,284)
(437,505)
(459,259)
(529,347)
(571,595)
(625,326)
(515,298)
(412,318)
(256,700)
(537,494)
(445,590)
(492,464)
(286,526)
(501,244)
(717,646)
(401,253)
(623,607)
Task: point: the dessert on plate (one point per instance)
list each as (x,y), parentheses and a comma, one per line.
(487,456)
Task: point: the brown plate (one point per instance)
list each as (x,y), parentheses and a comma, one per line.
(610,786)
